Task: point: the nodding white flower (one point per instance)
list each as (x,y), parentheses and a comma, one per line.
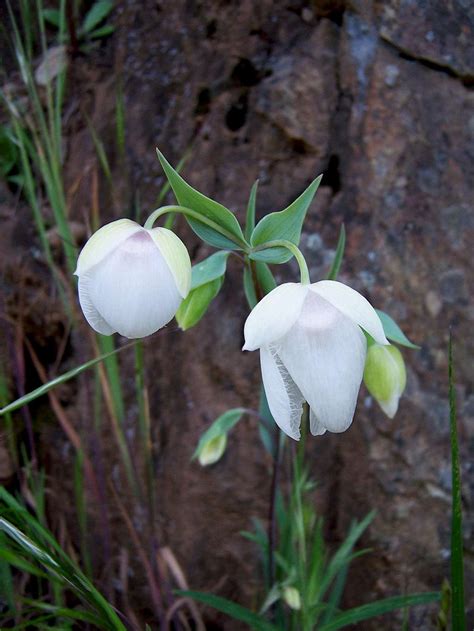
(132,280)
(385,376)
(312,349)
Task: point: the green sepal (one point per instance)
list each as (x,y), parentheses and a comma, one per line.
(393,332)
(285,224)
(222,425)
(188,197)
(195,305)
(209,269)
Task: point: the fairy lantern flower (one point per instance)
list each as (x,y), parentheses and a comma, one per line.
(131,279)
(385,376)
(312,348)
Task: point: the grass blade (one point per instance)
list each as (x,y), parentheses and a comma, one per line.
(237,612)
(371,610)
(70,374)
(457,569)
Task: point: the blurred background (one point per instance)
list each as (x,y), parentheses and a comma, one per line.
(378,97)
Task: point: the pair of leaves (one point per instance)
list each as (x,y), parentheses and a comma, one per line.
(206,281)
(286,224)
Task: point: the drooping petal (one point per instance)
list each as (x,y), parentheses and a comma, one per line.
(324,353)
(353,305)
(176,256)
(284,398)
(104,241)
(91,314)
(132,288)
(274,315)
(316,428)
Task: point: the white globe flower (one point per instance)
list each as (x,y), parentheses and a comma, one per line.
(312,349)
(132,280)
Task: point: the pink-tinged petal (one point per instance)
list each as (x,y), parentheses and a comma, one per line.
(353,305)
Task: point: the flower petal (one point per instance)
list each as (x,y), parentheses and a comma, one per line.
(176,256)
(132,288)
(274,315)
(316,428)
(284,398)
(353,305)
(91,314)
(103,242)
(324,353)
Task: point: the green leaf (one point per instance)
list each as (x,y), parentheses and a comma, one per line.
(371,610)
(103,31)
(196,303)
(237,612)
(98,12)
(222,425)
(9,155)
(39,392)
(52,16)
(393,331)
(336,264)
(286,224)
(208,208)
(209,269)
(458,621)
(250,216)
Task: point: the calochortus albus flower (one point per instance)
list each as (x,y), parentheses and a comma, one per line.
(385,376)
(132,280)
(312,348)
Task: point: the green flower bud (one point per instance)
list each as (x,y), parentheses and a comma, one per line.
(385,376)
(213,450)
(292,597)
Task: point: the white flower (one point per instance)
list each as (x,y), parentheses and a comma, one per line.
(132,280)
(312,349)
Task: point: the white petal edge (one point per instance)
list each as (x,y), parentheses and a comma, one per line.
(283,396)
(353,305)
(176,256)
(316,428)
(274,315)
(91,314)
(324,354)
(390,407)
(102,242)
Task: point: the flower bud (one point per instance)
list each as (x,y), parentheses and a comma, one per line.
(292,597)
(213,450)
(385,376)
(132,280)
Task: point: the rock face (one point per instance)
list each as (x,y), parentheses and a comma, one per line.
(377,96)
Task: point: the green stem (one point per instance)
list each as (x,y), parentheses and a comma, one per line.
(295,251)
(198,217)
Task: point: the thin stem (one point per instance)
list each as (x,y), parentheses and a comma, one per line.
(272,525)
(198,217)
(294,249)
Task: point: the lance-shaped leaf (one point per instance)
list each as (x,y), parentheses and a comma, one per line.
(286,224)
(206,281)
(188,197)
(250,216)
(393,331)
(213,435)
